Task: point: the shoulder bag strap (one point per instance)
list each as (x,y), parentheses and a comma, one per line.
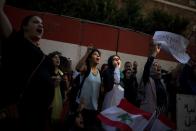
(31,76)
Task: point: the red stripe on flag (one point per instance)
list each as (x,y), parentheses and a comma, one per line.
(117,124)
(130,108)
(167,122)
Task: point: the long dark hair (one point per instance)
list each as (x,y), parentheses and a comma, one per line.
(25,22)
(88,60)
(88,64)
(51,55)
(110,62)
(108,75)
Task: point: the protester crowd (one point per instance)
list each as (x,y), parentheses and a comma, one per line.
(40,92)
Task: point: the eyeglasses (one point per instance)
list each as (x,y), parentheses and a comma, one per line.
(116,59)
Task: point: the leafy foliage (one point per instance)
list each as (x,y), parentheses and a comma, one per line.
(106,11)
(159,20)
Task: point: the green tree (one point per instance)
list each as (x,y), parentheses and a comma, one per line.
(160,20)
(129,14)
(106,11)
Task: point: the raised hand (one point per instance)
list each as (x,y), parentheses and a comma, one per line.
(116,62)
(5,25)
(135,64)
(156,50)
(2,3)
(89,49)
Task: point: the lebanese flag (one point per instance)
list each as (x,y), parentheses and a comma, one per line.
(127,117)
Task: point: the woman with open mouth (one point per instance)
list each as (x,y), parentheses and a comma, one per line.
(113,91)
(111,83)
(31,89)
(88,90)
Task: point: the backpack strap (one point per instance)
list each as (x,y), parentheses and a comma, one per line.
(81,84)
(31,76)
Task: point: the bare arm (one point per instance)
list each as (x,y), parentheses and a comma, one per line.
(156,50)
(82,63)
(146,73)
(5,25)
(135,67)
